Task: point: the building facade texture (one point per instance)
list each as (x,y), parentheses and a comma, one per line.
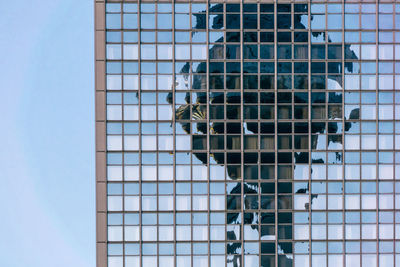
(253,133)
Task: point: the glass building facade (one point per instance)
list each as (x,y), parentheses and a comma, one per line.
(248,133)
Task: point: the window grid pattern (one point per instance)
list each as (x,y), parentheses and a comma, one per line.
(253,134)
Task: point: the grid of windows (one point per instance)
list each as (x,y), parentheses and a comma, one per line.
(253,134)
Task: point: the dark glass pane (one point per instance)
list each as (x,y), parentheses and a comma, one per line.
(233,98)
(284,127)
(267,188)
(318,67)
(318,51)
(250,112)
(284,97)
(300,52)
(284,67)
(284,142)
(285,261)
(267,172)
(285,202)
(233,81)
(233,158)
(216,82)
(250,158)
(284,157)
(267,37)
(267,202)
(300,112)
(317,82)
(301,142)
(199,142)
(216,98)
(284,112)
(284,7)
(284,51)
(267,7)
(233,202)
(250,37)
(267,21)
(232,7)
(317,97)
(267,81)
(284,21)
(267,112)
(232,112)
(233,21)
(334,51)
(216,142)
(250,51)
(250,7)
(284,37)
(266,51)
(250,67)
(267,67)
(301,8)
(250,98)
(300,82)
(217,52)
(284,81)
(335,67)
(270,249)
(301,37)
(250,82)
(301,127)
(301,67)
(216,67)
(233,51)
(300,97)
(250,21)
(233,37)
(233,67)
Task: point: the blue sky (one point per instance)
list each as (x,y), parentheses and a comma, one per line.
(47,199)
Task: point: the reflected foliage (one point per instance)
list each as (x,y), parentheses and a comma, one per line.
(227,106)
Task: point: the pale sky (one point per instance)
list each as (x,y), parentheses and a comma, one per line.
(47,199)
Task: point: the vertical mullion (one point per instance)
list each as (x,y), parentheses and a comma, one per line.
(139,9)
(376,129)
(276,129)
(343,135)
(242,121)
(174,127)
(309,128)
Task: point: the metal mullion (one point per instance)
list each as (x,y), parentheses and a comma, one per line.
(123,135)
(105,134)
(140,130)
(241,130)
(326,123)
(276,130)
(309,128)
(208,131)
(174,127)
(343,139)
(157,123)
(377,129)
(394,130)
(191,137)
(360,134)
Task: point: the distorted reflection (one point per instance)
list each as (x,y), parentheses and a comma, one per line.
(218,114)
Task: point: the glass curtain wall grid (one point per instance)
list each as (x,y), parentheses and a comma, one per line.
(248,133)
